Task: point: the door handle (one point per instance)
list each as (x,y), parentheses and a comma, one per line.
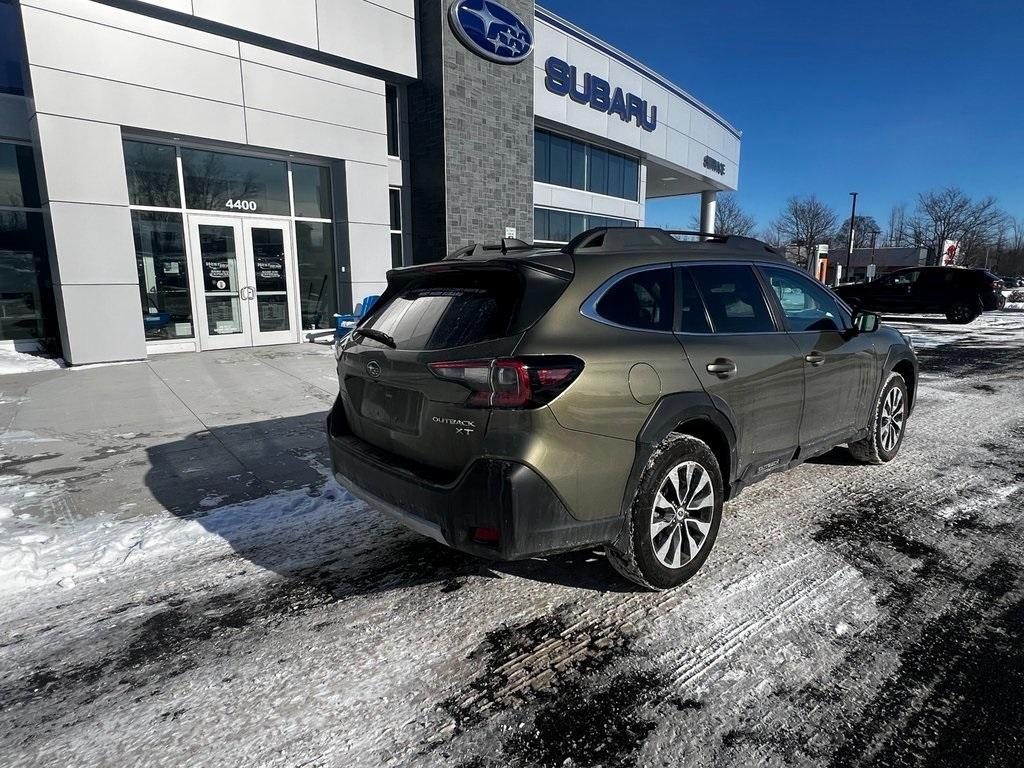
(246,293)
(722,367)
(815,359)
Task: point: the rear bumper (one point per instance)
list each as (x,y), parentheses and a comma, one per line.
(490,493)
(994,301)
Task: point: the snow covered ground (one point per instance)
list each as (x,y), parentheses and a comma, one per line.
(23,362)
(849,616)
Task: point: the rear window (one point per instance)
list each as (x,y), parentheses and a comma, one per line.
(450,309)
(642,300)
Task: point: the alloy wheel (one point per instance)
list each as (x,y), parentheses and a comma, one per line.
(681,514)
(890,426)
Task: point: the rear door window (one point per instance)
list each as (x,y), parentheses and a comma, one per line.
(693,318)
(906,278)
(733,297)
(641,300)
(450,309)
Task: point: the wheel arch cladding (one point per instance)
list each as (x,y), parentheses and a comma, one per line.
(691,413)
(708,432)
(906,369)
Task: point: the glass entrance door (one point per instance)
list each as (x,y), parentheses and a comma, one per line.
(272,280)
(244,282)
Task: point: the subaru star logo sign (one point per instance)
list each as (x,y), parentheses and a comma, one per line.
(491,30)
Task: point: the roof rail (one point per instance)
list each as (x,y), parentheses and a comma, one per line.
(653,238)
(480,250)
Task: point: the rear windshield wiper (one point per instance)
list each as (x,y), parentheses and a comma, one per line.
(376,335)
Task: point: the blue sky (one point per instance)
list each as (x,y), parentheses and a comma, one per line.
(885,98)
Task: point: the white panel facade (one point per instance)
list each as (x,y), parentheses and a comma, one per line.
(379,34)
(293,21)
(685,132)
(369,33)
(93,319)
(88,235)
(154,75)
(67,93)
(83,160)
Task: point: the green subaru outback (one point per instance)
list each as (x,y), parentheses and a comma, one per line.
(513,401)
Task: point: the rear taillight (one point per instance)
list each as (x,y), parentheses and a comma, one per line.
(521,382)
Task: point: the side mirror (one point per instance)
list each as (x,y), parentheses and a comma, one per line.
(865,322)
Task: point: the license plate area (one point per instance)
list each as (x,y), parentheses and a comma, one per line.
(392,407)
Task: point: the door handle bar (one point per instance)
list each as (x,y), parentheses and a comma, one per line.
(722,367)
(815,359)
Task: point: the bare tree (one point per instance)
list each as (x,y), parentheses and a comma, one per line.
(896,228)
(730,218)
(863,230)
(806,222)
(1006,253)
(949,214)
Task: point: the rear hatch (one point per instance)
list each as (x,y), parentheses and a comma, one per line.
(399,395)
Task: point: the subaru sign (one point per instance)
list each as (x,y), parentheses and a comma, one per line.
(491,30)
(562,79)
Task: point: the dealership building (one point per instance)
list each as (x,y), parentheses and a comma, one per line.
(186,175)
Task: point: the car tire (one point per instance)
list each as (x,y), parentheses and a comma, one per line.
(888,424)
(962,313)
(674,519)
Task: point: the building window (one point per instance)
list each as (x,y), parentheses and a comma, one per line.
(230,184)
(391,107)
(152,171)
(18,186)
(216,181)
(575,164)
(395,199)
(318,282)
(12,62)
(554,226)
(163,275)
(26,290)
(311,188)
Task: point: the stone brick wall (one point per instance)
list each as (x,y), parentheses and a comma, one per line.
(486,126)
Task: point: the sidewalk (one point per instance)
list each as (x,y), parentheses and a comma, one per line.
(181,432)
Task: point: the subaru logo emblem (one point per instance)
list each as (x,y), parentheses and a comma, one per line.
(373,368)
(491,30)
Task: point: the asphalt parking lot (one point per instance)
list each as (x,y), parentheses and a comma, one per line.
(848,616)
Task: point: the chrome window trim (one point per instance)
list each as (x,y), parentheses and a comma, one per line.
(589,306)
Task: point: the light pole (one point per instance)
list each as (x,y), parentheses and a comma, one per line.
(853,218)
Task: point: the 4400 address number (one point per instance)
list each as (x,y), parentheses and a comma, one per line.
(241,205)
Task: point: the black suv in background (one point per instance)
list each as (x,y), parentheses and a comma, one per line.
(961,294)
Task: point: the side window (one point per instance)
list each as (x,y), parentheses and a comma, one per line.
(807,307)
(691,307)
(906,278)
(733,298)
(642,300)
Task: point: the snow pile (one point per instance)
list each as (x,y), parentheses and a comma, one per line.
(34,554)
(1014,300)
(22,362)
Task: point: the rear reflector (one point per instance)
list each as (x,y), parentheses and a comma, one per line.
(524,382)
(485,535)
